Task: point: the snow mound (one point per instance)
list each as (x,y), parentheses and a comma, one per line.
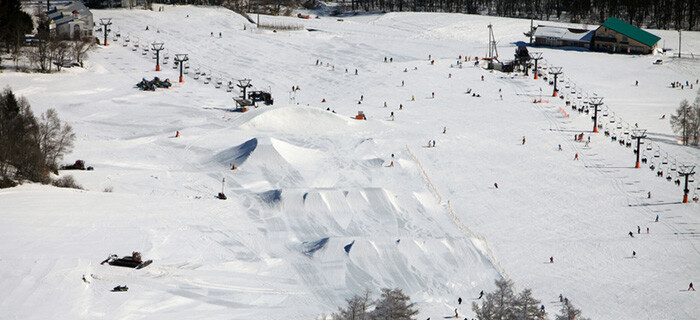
(238,154)
(297,120)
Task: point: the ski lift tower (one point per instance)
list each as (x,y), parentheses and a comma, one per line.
(180,58)
(244,84)
(105,23)
(555,71)
(595,102)
(157,47)
(536,56)
(638,134)
(493,52)
(686,171)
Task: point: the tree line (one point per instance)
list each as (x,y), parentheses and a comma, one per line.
(503,303)
(30,147)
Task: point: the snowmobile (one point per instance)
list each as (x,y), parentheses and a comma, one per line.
(120,289)
(133,261)
(78,165)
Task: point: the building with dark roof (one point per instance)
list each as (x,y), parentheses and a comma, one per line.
(616,35)
(71,21)
(562,37)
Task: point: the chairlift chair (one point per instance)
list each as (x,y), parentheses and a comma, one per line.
(674,167)
(218,83)
(657,154)
(664,161)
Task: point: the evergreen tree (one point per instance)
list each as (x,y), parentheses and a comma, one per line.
(393,305)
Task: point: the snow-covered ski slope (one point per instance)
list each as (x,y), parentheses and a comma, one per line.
(309,182)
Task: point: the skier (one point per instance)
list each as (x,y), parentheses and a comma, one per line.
(177,134)
(385,59)
(481,294)
(542,308)
(456,314)
(400,107)
(384,104)
(631,234)
(634,254)
(636,83)
(639,230)
(413,98)
(657,218)
(444,130)
(523,140)
(433,143)
(219,34)
(392,164)
(561,298)
(649,195)
(392,116)
(459,300)
(433,95)
(355,71)
(690,287)
(576,157)
(647,230)
(402,83)
(146,28)
(212,33)
(362,97)
(559,147)
(482,78)
(551,259)
(391,59)
(233,166)
(495,185)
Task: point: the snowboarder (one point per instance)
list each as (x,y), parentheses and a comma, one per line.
(177,134)
(639,230)
(355,71)
(690,287)
(392,164)
(631,234)
(444,130)
(657,218)
(85,280)
(362,97)
(392,116)
(146,28)
(634,254)
(559,147)
(433,95)
(400,107)
(649,195)
(481,294)
(219,34)
(551,259)
(495,185)
(456,314)
(636,83)
(233,166)
(413,98)
(459,300)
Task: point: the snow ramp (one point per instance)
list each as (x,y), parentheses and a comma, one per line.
(297,119)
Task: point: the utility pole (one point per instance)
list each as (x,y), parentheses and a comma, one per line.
(638,134)
(679,42)
(157,46)
(555,71)
(536,56)
(595,102)
(686,171)
(105,22)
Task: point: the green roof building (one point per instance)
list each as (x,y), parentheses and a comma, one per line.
(616,35)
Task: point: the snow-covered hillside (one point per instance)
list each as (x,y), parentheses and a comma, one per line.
(309,181)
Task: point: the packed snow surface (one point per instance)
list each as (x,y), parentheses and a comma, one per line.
(310,181)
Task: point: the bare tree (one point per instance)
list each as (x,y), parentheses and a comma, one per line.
(498,305)
(356,308)
(80,48)
(55,139)
(681,121)
(569,312)
(393,305)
